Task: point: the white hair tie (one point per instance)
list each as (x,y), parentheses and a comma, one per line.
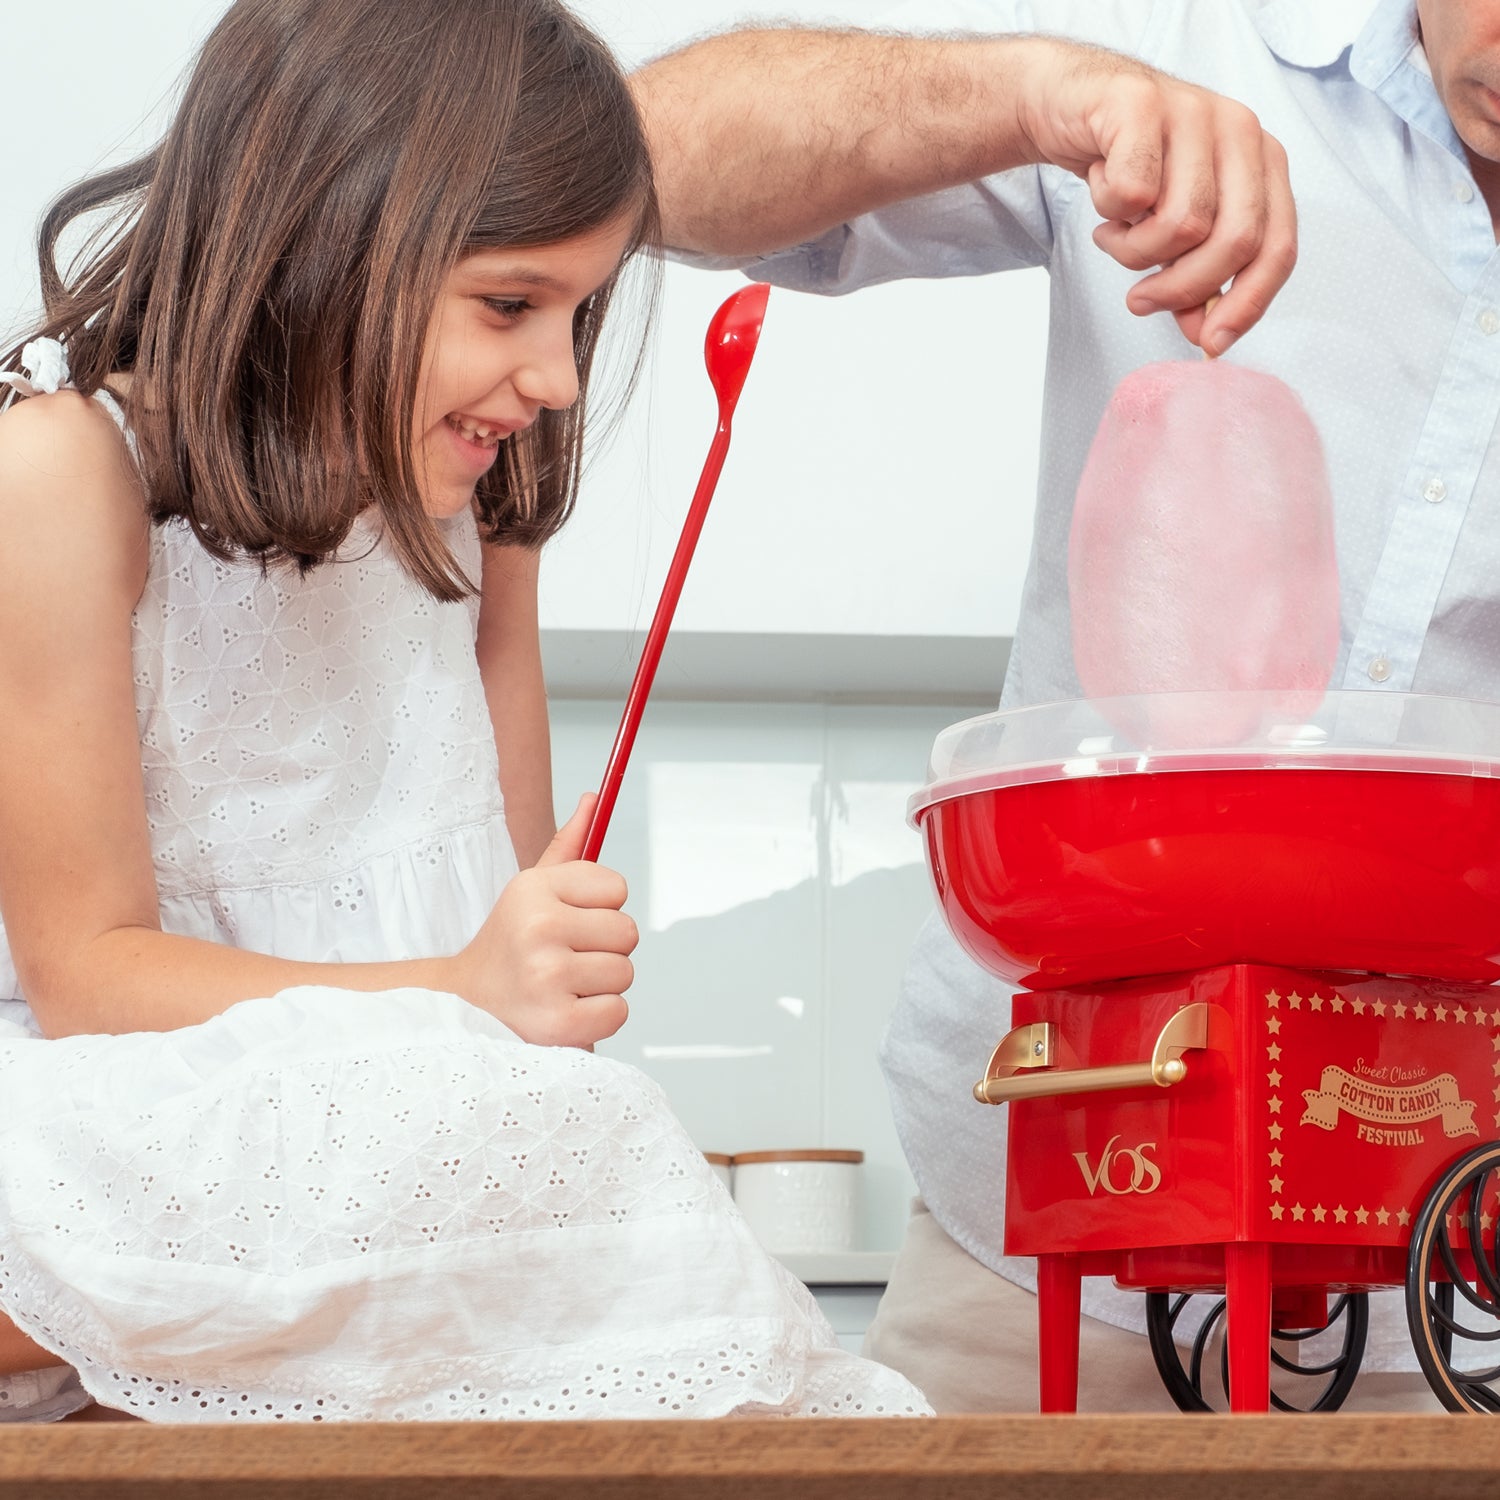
(44,369)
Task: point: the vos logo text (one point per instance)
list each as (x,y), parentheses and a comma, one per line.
(1120,1170)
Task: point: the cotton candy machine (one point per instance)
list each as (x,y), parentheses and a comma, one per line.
(1257,1052)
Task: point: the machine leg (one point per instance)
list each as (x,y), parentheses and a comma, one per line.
(1058,1285)
(1247,1278)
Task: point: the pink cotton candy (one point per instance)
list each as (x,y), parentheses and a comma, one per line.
(1201,554)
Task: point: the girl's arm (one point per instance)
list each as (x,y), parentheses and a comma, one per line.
(510,661)
(77,889)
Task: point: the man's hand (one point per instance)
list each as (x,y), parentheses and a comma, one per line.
(1184,179)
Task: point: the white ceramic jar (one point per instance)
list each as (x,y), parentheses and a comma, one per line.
(800,1202)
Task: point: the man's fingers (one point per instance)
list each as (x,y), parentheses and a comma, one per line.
(1234,241)
(1127,183)
(1189,182)
(1186,213)
(1254,286)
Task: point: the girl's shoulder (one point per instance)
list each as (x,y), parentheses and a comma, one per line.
(63,436)
(69,487)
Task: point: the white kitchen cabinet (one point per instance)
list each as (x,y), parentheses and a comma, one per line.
(879,483)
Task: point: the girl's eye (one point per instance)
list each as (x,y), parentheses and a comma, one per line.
(508,308)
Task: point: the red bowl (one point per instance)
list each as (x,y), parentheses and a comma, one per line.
(1054,882)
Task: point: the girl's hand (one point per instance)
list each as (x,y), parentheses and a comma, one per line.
(552,959)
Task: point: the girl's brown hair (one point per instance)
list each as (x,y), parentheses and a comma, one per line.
(269,271)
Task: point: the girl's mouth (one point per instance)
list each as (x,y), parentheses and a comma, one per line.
(480,436)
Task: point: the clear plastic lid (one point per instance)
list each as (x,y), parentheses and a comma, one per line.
(1346,730)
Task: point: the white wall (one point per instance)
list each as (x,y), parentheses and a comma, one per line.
(884,457)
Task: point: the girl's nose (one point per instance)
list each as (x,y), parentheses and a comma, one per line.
(550,374)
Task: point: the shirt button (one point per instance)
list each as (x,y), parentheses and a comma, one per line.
(1463,193)
(1434,491)
(1379,670)
(1489,321)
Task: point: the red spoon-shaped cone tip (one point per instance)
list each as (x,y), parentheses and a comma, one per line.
(730,345)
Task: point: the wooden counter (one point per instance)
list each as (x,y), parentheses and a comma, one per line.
(1017,1458)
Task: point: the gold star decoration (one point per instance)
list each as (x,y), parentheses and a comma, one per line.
(1358,1006)
(1276,1211)
(1275,1131)
(1378,1007)
(1382,1215)
(1362,1214)
(1402,1217)
(1276,1185)
(1340,1214)
(1440,1012)
(1338,1005)
(1319,1212)
(1497,1093)
(1274,1104)
(1399,1010)
(1273,1024)
(1419,1011)
(1276,1158)
(1495,1018)
(1294,1000)
(1298,1212)
(1273,1051)
(1495,1041)
(1486,1222)
(1273,999)
(1315,1002)
(1274,1079)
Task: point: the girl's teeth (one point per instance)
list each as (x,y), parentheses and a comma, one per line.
(474,434)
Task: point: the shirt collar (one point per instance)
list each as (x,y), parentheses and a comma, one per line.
(1384,54)
(1313,35)
(1389,61)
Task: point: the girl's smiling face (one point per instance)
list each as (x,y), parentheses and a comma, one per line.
(499,350)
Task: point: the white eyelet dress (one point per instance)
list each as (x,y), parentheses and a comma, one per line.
(332,1205)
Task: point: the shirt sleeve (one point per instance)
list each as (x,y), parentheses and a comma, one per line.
(1002,222)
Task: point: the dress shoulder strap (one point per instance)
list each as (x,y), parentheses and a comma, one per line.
(112,404)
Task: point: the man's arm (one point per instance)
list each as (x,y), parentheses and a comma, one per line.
(765,138)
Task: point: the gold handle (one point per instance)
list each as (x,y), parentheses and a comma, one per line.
(1029,1049)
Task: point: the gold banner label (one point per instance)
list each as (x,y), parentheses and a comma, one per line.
(1386,1104)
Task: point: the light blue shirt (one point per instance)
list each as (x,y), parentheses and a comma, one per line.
(1389,330)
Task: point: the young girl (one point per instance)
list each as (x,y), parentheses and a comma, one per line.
(299,1119)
